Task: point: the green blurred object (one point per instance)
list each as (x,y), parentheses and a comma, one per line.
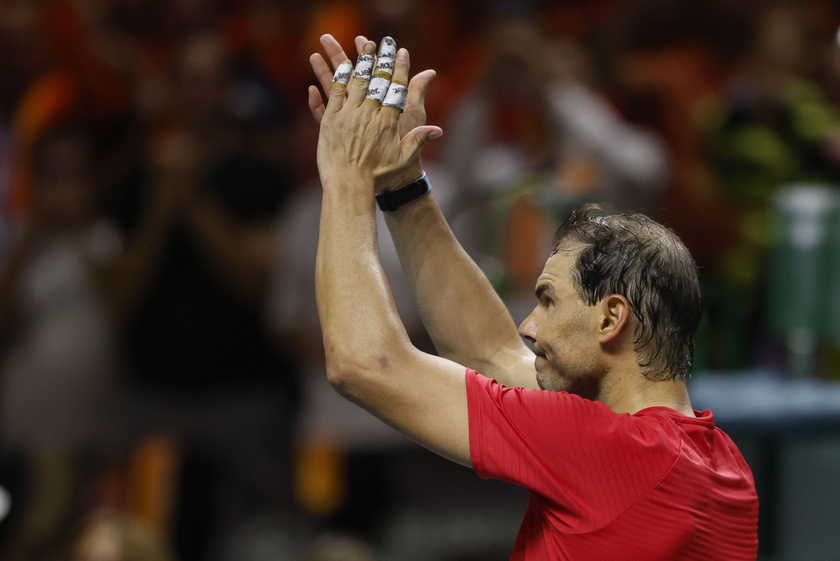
(804,274)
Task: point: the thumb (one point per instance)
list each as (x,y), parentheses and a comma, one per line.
(413,142)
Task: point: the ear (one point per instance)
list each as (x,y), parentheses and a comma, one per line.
(615,318)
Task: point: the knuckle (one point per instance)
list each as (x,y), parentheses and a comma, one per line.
(360,84)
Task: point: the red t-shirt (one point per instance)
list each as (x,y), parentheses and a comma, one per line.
(653,486)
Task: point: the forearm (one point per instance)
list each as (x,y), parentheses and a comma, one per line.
(369,357)
(362,331)
(465,317)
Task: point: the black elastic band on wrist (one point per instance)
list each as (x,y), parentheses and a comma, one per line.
(389,201)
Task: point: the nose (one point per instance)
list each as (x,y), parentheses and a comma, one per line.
(528,328)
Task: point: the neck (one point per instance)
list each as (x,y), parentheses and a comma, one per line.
(632,391)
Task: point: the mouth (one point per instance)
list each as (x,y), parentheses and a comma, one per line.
(539,358)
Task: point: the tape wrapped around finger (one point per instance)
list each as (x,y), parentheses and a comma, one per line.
(396,96)
(364,66)
(378,88)
(343,72)
(386,56)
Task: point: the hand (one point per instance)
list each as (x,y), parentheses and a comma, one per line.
(413,117)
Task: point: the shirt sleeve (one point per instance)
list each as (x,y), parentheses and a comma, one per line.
(574,453)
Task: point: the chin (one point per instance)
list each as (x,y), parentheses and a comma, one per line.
(550,383)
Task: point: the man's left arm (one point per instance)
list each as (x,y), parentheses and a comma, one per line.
(370,359)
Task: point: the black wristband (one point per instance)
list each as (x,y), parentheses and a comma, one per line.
(389,201)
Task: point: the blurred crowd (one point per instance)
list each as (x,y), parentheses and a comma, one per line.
(159,204)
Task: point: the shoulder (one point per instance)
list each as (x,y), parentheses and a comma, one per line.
(571,419)
(566,449)
(487,392)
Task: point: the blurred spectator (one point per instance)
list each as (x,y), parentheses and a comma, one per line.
(202,101)
(115,536)
(339,547)
(54,62)
(661,59)
(200,363)
(59,394)
(544,141)
(332,427)
(773,125)
(668,61)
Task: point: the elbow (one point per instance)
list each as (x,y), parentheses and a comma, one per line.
(354,374)
(339,378)
(346,373)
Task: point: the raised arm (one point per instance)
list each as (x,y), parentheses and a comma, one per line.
(370,359)
(461,310)
(463,314)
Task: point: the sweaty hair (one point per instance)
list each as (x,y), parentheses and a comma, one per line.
(631,255)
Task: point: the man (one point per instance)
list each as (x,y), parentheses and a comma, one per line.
(596,420)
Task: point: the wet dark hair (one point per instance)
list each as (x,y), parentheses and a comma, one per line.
(632,255)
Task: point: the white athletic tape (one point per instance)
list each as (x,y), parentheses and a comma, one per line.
(396,96)
(378,88)
(343,72)
(386,56)
(364,65)
(388,48)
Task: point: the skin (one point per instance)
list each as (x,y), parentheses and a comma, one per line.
(369,357)
(563,331)
(364,148)
(429,252)
(588,349)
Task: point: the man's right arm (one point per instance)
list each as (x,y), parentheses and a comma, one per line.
(461,310)
(465,317)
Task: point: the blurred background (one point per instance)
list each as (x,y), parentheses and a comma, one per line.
(162,394)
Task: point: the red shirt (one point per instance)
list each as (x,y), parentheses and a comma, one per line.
(653,486)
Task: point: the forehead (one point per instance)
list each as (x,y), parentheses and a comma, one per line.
(557,273)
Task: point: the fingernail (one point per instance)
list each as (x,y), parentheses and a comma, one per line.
(402,54)
(435,134)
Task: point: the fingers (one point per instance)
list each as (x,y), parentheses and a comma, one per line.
(418,87)
(339,87)
(382,72)
(398,89)
(316,104)
(322,71)
(415,108)
(413,142)
(379,81)
(333,50)
(362,74)
(361,40)
(324,74)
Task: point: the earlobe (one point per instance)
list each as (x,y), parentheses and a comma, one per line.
(615,317)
